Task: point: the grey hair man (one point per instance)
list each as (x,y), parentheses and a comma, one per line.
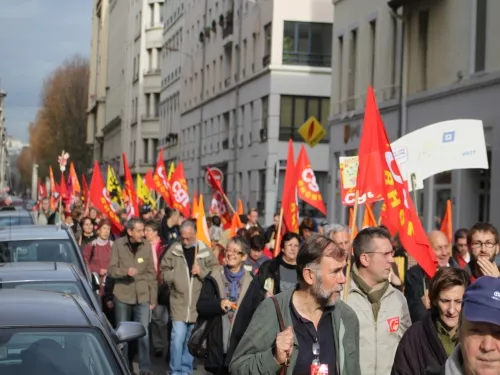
(184,267)
(314,306)
(341,235)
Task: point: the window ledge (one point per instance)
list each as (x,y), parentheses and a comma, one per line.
(301,69)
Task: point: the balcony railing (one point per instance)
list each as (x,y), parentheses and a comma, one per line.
(152,72)
(307,59)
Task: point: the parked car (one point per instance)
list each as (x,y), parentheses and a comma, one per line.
(58,334)
(10,216)
(41,243)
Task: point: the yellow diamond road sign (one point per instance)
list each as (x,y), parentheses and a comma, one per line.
(312,131)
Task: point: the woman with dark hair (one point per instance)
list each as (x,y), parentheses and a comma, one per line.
(88,234)
(427,344)
(307,228)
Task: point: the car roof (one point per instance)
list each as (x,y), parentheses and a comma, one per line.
(15,213)
(37,271)
(33,232)
(32,308)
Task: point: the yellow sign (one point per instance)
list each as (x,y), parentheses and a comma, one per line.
(312,131)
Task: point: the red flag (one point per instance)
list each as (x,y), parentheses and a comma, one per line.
(64,193)
(148,180)
(85,189)
(308,189)
(179,191)
(101,200)
(289,195)
(378,170)
(132,206)
(160,180)
(219,203)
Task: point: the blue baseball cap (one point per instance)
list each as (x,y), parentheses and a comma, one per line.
(482,301)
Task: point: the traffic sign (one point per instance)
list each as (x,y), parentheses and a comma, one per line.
(216,173)
(312,131)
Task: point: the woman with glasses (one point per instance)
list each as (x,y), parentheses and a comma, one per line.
(220,297)
(427,344)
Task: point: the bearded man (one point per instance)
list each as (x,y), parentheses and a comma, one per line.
(315,320)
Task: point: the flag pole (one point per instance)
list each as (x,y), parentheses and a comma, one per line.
(277,242)
(349,255)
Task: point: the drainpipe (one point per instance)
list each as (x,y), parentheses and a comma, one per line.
(202,103)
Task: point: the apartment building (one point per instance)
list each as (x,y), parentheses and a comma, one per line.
(252,73)
(171,71)
(132,83)
(98,78)
(443,55)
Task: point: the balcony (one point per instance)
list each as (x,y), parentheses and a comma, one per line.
(145,163)
(307,59)
(395,4)
(152,72)
(227,82)
(150,117)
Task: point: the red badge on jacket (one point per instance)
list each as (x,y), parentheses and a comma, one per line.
(393,324)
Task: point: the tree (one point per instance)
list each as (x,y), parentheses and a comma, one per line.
(24,164)
(61,122)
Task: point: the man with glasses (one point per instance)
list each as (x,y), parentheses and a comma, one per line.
(483,241)
(417,282)
(381,309)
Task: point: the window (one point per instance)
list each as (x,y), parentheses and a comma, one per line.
(262,188)
(157,105)
(145,144)
(265,118)
(373,42)
(70,348)
(295,110)
(340,75)
(480,50)
(268,37)
(351,84)
(423,39)
(306,43)
(38,251)
(394,51)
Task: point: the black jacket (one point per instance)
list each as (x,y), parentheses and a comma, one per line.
(208,307)
(168,235)
(420,350)
(414,290)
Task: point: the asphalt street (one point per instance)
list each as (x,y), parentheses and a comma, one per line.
(160,367)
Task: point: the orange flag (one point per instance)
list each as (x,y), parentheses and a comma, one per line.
(201,224)
(289,195)
(54,193)
(179,191)
(195,206)
(379,171)
(100,199)
(235,225)
(369,218)
(351,218)
(160,180)
(308,189)
(148,180)
(132,205)
(240,207)
(75,184)
(447,222)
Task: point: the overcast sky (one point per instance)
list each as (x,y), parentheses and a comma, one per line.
(35,37)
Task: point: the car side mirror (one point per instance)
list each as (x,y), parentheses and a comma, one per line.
(129,331)
(96,285)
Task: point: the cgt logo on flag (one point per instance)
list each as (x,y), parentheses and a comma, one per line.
(393,324)
(449,137)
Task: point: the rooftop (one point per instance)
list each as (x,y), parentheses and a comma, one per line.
(34,232)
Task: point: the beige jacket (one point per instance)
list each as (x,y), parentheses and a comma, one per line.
(379,340)
(141,288)
(184,289)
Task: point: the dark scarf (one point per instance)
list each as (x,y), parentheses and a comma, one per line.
(234,282)
(374,294)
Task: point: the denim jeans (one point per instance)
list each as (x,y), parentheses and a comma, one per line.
(138,313)
(181,361)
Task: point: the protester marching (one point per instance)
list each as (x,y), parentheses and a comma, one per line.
(216,289)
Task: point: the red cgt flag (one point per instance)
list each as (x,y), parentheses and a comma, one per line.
(179,191)
(308,189)
(218,199)
(99,197)
(378,171)
(289,195)
(160,180)
(132,206)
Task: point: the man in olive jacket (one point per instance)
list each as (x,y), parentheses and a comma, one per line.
(314,307)
(135,284)
(183,268)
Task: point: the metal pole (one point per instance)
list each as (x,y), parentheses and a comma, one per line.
(237,98)
(202,103)
(403,126)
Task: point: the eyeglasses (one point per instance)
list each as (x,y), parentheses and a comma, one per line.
(233,252)
(479,244)
(386,255)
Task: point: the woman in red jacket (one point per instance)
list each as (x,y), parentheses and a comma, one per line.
(98,252)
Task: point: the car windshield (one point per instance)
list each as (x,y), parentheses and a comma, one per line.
(48,286)
(65,351)
(38,251)
(8,221)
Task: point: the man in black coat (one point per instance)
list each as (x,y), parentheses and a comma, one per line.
(417,282)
